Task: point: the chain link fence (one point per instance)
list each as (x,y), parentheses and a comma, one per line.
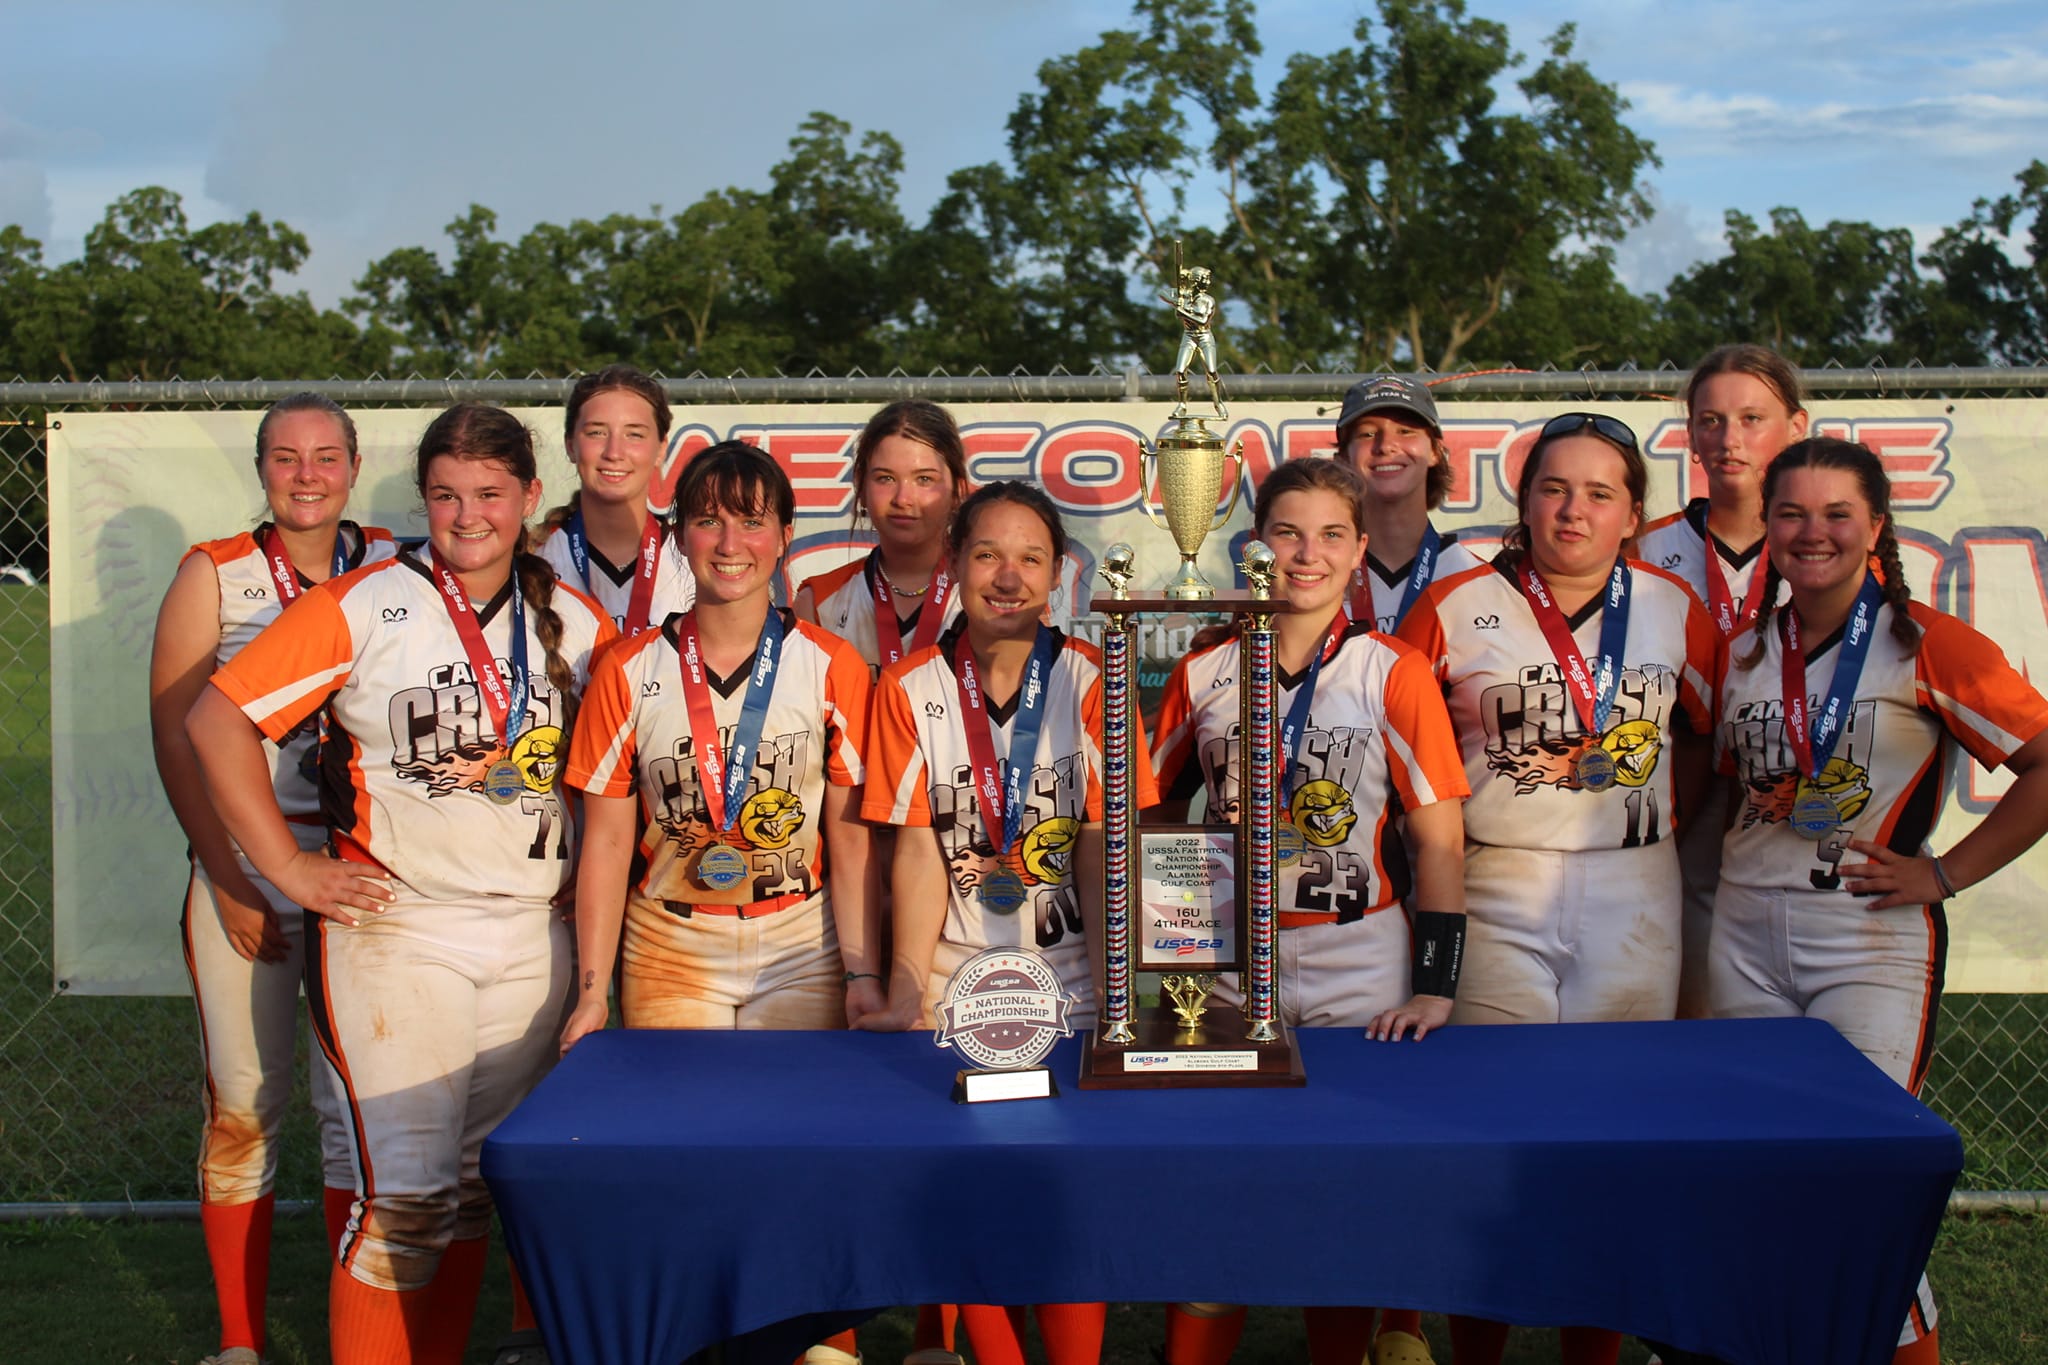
(99,1096)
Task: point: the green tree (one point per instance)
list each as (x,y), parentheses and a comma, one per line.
(1981,305)
(1814,295)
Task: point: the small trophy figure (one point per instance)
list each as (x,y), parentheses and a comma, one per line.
(1196,308)
(1189,993)
(1119,567)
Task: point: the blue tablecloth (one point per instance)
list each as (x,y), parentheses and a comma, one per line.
(1750,1188)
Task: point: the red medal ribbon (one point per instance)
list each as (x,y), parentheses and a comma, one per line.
(703,722)
(889,630)
(1578,678)
(471,632)
(640,606)
(1720,603)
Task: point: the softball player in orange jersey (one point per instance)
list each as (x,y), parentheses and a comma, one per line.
(1841,713)
(1742,407)
(995,859)
(438,969)
(243,940)
(909,474)
(1372,922)
(1573,675)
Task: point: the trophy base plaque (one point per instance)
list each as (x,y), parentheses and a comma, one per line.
(1029,1083)
(1214,1053)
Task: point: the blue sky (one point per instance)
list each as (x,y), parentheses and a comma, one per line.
(368,126)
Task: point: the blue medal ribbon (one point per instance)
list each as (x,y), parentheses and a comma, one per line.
(1420,574)
(1814,751)
(1296,723)
(1030,717)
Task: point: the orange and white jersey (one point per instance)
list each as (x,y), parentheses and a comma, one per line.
(1388,587)
(633,734)
(1378,742)
(402,777)
(1679,544)
(845,602)
(920,773)
(1891,767)
(1519,729)
(611,585)
(249,601)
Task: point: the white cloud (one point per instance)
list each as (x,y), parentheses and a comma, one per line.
(25,199)
(1666,246)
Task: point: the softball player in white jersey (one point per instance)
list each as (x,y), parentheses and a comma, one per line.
(1742,407)
(1388,430)
(243,941)
(1372,922)
(1841,714)
(438,969)
(1573,675)
(986,748)
(606,541)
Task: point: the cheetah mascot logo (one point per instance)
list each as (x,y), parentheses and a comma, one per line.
(1048,850)
(1323,812)
(771,817)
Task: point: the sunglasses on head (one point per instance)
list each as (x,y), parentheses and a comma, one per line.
(1572,423)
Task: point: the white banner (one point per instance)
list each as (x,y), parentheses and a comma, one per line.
(130,491)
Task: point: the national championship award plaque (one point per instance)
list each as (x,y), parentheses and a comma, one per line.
(1003,1010)
(1187,902)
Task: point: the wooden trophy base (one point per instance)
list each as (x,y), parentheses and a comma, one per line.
(1167,1056)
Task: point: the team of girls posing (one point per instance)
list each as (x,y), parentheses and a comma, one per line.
(750,778)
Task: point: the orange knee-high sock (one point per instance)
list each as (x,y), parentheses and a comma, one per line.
(335,1203)
(523,1319)
(452,1302)
(935,1325)
(1072,1332)
(1203,1338)
(1407,1320)
(1926,1351)
(238,1246)
(1338,1336)
(1588,1346)
(995,1334)
(1476,1341)
(371,1326)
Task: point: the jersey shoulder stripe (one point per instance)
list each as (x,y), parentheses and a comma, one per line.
(822,586)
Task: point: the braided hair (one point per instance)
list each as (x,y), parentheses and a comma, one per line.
(1826,452)
(479,431)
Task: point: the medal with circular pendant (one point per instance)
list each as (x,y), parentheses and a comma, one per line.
(1594,767)
(1287,843)
(1002,891)
(1814,816)
(503,782)
(721,867)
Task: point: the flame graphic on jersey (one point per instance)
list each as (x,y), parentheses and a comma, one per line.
(771,818)
(1842,781)
(1634,746)
(1048,850)
(1324,813)
(458,769)
(1546,763)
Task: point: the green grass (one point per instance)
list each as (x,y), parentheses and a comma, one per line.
(125,1291)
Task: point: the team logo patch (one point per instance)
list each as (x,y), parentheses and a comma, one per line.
(1323,812)
(771,817)
(1004,1009)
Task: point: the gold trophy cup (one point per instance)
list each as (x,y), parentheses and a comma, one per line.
(1189,468)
